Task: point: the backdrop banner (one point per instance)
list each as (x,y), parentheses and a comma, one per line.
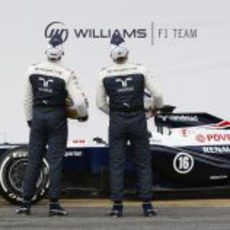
(184,44)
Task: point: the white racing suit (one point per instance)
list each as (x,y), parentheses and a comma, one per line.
(47,86)
(120,93)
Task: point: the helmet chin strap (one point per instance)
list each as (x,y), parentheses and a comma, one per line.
(54,59)
(121,60)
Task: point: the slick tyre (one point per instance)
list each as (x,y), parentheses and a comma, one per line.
(12,169)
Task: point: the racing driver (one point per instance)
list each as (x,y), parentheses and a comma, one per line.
(120,93)
(46,89)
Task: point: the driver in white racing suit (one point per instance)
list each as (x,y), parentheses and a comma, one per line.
(47,87)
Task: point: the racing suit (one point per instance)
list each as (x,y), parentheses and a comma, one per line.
(47,86)
(120,93)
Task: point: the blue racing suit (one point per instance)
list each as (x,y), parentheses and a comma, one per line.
(120,93)
(47,86)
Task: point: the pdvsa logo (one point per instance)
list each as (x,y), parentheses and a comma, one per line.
(213,137)
(200,138)
(55,28)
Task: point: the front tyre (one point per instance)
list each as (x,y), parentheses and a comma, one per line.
(12,169)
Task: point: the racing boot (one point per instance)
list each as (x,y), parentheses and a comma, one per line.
(55,209)
(24,208)
(148,209)
(117,209)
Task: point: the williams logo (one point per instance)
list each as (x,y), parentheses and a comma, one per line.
(124,82)
(124,85)
(107,33)
(45,82)
(55,28)
(60,28)
(151,32)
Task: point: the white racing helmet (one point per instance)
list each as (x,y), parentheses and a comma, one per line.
(55,48)
(118,48)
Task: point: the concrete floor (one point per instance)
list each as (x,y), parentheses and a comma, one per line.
(92,214)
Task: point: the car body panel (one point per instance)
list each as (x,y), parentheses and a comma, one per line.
(189,151)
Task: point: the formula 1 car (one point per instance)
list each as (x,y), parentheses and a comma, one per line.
(190,151)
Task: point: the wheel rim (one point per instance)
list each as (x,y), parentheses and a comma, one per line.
(16,174)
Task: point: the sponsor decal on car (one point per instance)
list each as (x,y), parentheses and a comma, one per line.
(179,117)
(216,149)
(73,153)
(200,138)
(20,154)
(218,177)
(184,132)
(213,137)
(79,141)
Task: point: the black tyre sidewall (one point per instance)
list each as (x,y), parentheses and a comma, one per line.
(19,155)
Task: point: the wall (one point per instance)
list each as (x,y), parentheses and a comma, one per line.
(185,44)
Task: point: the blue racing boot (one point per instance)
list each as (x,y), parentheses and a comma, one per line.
(55,209)
(24,208)
(148,209)
(116,210)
